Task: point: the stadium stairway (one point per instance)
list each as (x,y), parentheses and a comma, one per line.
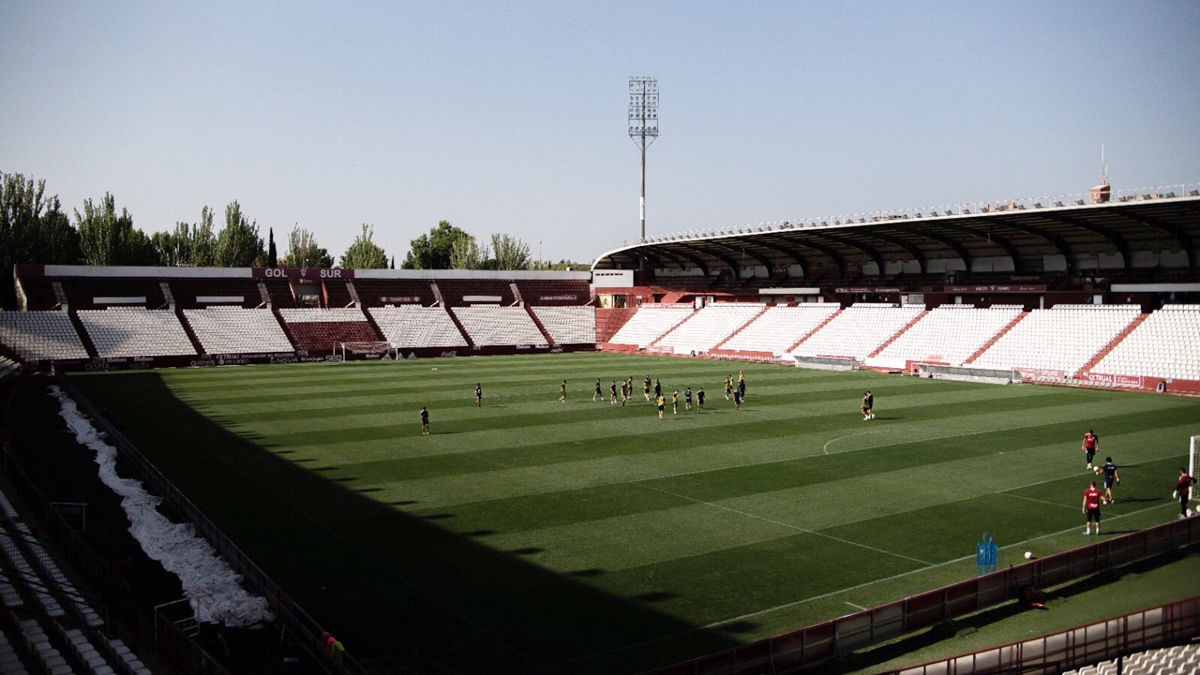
(286,331)
(462,330)
(187,328)
(902,331)
(537,322)
(813,331)
(743,326)
(671,330)
(610,320)
(83,335)
(988,345)
(370,319)
(1099,356)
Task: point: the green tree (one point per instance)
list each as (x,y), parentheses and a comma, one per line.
(272,252)
(303,251)
(432,251)
(108,239)
(188,245)
(33,229)
(510,253)
(238,244)
(364,254)
(467,254)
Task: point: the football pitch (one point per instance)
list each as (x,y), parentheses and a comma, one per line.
(533,535)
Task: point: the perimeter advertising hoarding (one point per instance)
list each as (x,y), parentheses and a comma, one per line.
(1000,288)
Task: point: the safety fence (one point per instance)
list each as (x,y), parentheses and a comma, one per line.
(833,639)
(1164,626)
(306,631)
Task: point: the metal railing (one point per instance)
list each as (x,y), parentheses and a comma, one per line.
(1072,200)
(297,621)
(1165,626)
(832,639)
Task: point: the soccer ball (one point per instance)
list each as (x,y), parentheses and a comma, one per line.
(1097,470)
(1029,555)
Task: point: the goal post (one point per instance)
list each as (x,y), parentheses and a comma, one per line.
(1195,447)
(367,351)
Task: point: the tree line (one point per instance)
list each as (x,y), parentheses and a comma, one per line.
(34,228)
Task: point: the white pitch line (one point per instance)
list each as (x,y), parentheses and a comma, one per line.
(783,524)
(904,574)
(825,448)
(858,607)
(1039,501)
(795,603)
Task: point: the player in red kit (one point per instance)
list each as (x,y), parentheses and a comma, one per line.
(1091,443)
(1091,507)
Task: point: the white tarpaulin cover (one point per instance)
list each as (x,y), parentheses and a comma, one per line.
(210,584)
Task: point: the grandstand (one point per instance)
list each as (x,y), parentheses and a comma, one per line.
(1162,346)
(499,326)
(708,327)
(1060,340)
(858,331)
(414,326)
(948,334)
(568,325)
(1070,294)
(236,330)
(41,336)
(121,332)
(649,324)
(780,327)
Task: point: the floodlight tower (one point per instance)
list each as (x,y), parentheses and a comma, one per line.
(643,127)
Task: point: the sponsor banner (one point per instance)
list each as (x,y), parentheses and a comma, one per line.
(558,298)
(1041,374)
(1002,288)
(294,274)
(867,289)
(1105,379)
(400,299)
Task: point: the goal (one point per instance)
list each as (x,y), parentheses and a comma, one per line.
(1192,451)
(366,351)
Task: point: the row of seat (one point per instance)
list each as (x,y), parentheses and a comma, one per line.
(1065,338)
(138,332)
(61,650)
(490,325)
(1178,660)
(38,336)
(568,325)
(709,327)
(127,332)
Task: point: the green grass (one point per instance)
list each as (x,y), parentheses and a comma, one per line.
(589,538)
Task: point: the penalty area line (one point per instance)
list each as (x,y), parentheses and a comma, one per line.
(796,603)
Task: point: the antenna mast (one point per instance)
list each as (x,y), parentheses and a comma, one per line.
(643,128)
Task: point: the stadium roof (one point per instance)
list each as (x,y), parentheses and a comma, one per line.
(1022,231)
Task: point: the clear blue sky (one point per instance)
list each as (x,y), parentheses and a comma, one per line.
(511,117)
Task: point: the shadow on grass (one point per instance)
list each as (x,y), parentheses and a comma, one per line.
(968,624)
(390,585)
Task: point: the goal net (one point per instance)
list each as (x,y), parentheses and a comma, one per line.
(1191,467)
(362,351)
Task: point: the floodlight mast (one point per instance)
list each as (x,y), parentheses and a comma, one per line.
(643,128)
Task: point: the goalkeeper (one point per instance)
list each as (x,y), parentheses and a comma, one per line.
(1111,477)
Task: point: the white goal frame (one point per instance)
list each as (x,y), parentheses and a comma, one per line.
(1195,447)
(370,350)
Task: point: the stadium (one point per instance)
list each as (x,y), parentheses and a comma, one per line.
(552,528)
